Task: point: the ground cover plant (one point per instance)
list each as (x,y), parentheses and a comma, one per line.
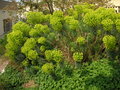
(81,35)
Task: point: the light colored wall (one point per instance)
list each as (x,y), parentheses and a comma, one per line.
(4,15)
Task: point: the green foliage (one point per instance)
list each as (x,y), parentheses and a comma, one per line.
(15,41)
(117,23)
(78,57)
(48,68)
(11,79)
(71,22)
(23,27)
(48,55)
(55,55)
(99,75)
(35,17)
(28,45)
(80,40)
(92,19)
(42,48)
(107,24)
(109,42)
(56,23)
(58,14)
(33,33)
(42,40)
(63,36)
(32,55)
(84,8)
(25,62)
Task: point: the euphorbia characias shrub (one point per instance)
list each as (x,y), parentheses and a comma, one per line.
(65,36)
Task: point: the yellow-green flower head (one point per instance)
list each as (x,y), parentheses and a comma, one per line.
(109,42)
(32,55)
(42,48)
(42,40)
(48,68)
(78,56)
(80,40)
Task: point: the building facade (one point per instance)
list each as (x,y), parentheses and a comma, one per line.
(115,4)
(8,16)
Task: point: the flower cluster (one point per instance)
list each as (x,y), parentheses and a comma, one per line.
(42,40)
(32,55)
(109,42)
(23,27)
(78,56)
(117,23)
(55,55)
(71,22)
(80,40)
(107,24)
(35,17)
(28,45)
(48,68)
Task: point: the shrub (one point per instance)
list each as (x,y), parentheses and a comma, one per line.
(99,75)
(66,36)
(11,79)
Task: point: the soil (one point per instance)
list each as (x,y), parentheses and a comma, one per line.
(30,84)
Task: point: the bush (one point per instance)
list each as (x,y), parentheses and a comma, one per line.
(79,34)
(99,75)
(11,79)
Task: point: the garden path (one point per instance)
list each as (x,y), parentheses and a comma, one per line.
(3,63)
